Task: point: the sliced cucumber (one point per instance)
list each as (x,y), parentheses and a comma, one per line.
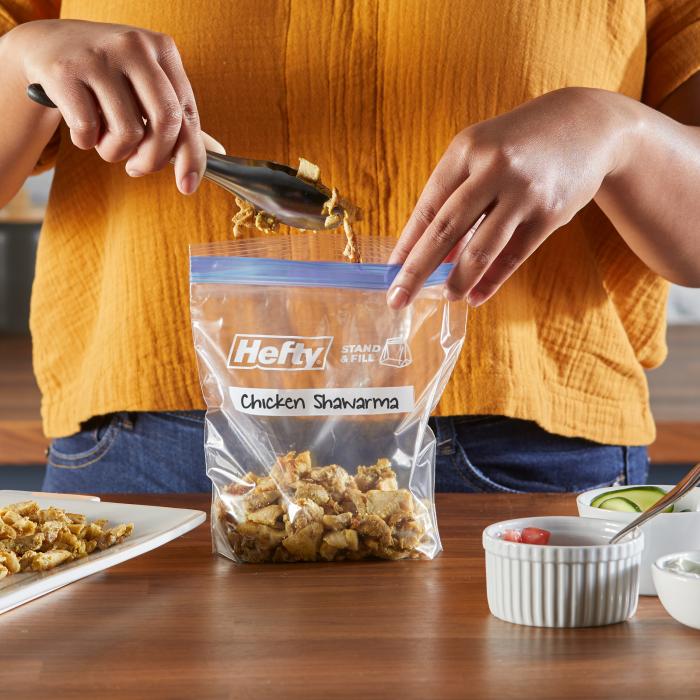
(620,503)
(642,496)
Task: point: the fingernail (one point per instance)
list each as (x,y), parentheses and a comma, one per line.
(476,299)
(451,295)
(397,298)
(132,172)
(189,183)
(218,147)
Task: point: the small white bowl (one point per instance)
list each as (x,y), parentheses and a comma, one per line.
(560,584)
(679,592)
(664,534)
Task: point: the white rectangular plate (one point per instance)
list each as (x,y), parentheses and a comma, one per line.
(153,526)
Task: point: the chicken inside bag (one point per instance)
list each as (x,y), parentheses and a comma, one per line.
(318,398)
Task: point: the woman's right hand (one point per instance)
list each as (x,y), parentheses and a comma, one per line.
(121,90)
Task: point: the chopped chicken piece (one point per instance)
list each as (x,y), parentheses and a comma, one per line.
(393,554)
(239,489)
(76,548)
(52,529)
(265,535)
(52,514)
(249,550)
(93,531)
(331,220)
(268,515)
(385,503)
(303,512)
(337,522)
(305,543)
(308,171)
(77,518)
(355,502)
(77,529)
(265,222)
(334,478)
(315,492)
(19,523)
(379,476)
(333,508)
(332,208)
(266,483)
(31,543)
(327,552)
(351,251)
(291,467)
(407,533)
(66,540)
(24,508)
(47,560)
(342,539)
(261,496)
(244,217)
(374,526)
(388,484)
(115,535)
(287,524)
(7,532)
(255,556)
(25,561)
(336,539)
(10,562)
(378,549)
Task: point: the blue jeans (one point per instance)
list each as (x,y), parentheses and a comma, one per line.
(129,453)
(162,452)
(507,455)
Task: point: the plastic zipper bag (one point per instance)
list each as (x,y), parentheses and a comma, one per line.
(318,398)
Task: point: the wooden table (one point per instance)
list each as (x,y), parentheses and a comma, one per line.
(181,623)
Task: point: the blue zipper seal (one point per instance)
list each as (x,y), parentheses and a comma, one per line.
(226,269)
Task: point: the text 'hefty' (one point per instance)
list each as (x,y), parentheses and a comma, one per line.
(277,352)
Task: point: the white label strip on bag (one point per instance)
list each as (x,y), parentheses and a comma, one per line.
(351,401)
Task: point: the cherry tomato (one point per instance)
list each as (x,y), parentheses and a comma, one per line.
(534,535)
(512,536)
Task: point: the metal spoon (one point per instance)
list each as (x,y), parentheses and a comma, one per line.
(270,187)
(679,490)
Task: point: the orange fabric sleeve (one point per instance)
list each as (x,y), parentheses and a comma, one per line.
(673,47)
(12,13)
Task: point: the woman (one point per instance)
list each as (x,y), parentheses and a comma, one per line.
(549,393)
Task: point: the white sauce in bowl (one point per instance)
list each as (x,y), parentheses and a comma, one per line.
(683,565)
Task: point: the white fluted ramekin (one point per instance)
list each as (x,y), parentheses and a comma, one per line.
(561,585)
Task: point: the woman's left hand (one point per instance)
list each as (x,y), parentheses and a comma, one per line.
(529,171)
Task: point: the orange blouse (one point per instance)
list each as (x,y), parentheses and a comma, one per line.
(373,91)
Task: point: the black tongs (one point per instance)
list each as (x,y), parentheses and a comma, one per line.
(270,187)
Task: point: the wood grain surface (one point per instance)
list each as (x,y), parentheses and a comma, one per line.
(180,622)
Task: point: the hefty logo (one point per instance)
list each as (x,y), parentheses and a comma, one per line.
(279,352)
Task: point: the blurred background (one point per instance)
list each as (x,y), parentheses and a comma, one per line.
(675,387)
